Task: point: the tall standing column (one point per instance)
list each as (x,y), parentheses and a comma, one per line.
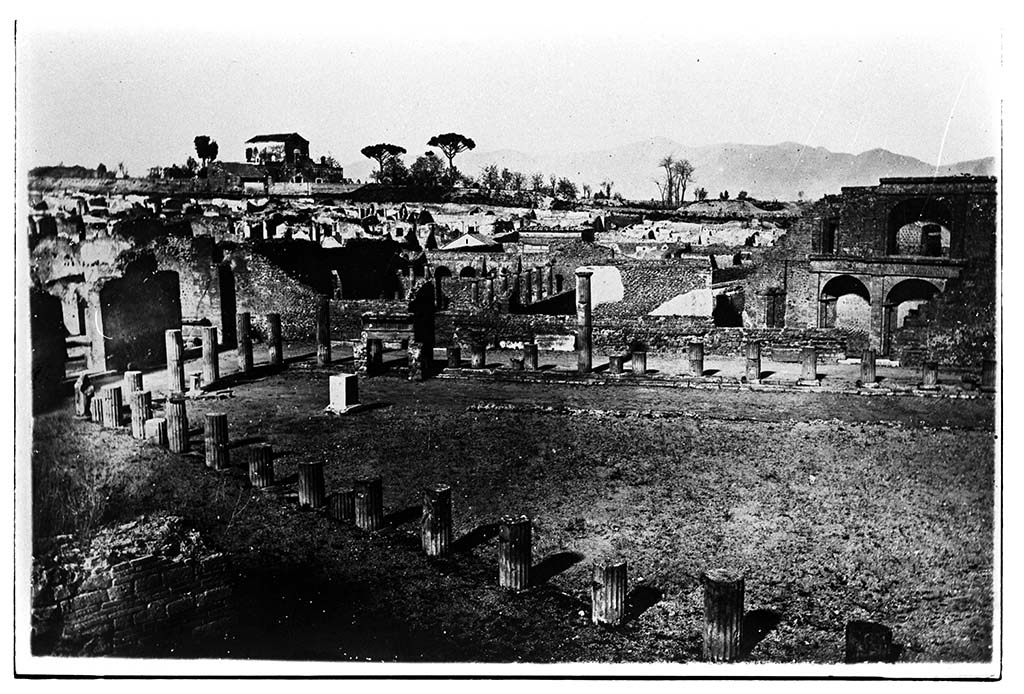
(436,523)
(175,361)
(177,423)
(583,321)
(243,331)
(539,279)
(211,363)
(323,332)
(215,434)
(528,295)
(276,349)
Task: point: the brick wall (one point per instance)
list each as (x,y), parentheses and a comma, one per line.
(144,584)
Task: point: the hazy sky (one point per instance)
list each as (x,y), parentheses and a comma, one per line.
(92,91)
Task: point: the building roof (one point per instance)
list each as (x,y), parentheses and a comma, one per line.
(277,137)
(472,240)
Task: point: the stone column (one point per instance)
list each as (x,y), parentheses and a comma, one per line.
(868,642)
(549,280)
(436,523)
(211,362)
(261,465)
(311,485)
(867,367)
(809,364)
(175,361)
(608,593)
(156,431)
(530,356)
(696,358)
(142,409)
(615,362)
(753,353)
(177,423)
(528,295)
(538,291)
(489,285)
(323,332)
(374,355)
(132,383)
(341,506)
(723,615)
(244,339)
(514,552)
(215,435)
(417,361)
(477,355)
(930,374)
(584,327)
(639,363)
(276,347)
(988,375)
(369,503)
(113,403)
(84,392)
(454,357)
(474,292)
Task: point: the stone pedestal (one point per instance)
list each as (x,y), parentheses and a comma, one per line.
(454,355)
(477,356)
(930,374)
(344,393)
(639,363)
(867,368)
(156,431)
(753,356)
(809,365)
(615,363)
(695,353)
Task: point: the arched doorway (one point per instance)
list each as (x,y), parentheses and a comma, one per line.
(920,226)
(902,304)
(845,302)
(441,275)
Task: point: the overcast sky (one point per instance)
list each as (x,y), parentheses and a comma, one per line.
(90,91)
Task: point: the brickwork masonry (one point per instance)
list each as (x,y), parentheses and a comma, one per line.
(130,589)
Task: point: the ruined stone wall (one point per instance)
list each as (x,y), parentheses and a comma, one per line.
(647,284)
(146,584)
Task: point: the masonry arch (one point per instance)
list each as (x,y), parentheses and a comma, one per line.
(920,226)
(902,303)
(845,303)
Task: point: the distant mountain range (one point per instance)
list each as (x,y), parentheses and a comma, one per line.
(766,172)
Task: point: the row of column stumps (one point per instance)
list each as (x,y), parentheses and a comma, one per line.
(363,505)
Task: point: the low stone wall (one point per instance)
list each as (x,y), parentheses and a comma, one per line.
(146,584)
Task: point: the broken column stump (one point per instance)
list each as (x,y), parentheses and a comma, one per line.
(867,367)
(868,642)
(175,361)
(615,363)
(374,355)
(584,325)
(638,362)
(341,505)
(211,364)
(723,615)
(809,364)
(436,522)
(454,356)
(215,435)
(344,393)
(312,493)
(608,593)
(988,375)
(243,332)
(84,392)
(195,384)
(141,405)
(930,374)
(156,431)
(177,423)
(417,361)
(477,355)
(323,332)
(275,347)
(515,536)
(132,383)
(261,465)
(530,356)
(369,503)
(113,404)
(695,354)
(752,350)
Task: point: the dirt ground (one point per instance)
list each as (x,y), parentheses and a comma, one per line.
(834,507)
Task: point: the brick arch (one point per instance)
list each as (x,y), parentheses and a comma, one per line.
(936,210)
(845,302)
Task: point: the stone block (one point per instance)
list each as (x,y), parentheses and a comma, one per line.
(179,606)
(148,583)
(213,596)
(344,393)
(83,601)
